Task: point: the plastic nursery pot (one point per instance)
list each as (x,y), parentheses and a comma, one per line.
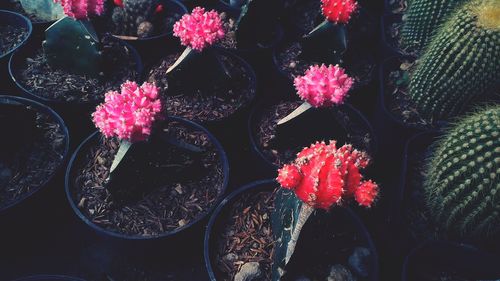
(151,47)
(392,131)
(390,45)
(39,26)
(135,242)
(327,120)
(49,278)
(344,216)
(18,21)
(433,260)
(73,111)
(42,199)
(225,6)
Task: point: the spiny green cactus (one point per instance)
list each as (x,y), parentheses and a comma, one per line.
(461,63)
(463,181)
(128,19)
(423,19)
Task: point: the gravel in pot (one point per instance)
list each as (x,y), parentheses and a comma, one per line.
(14,31)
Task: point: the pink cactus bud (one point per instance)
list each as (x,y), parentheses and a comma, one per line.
(129,115)
(323,86)
(366,193)
(82,9)
(322,176)
(338,11)
(199,29)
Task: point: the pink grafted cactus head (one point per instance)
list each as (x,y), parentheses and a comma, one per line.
(199,29)
(338,11)
(82,9)
(323,86)
(323,175)
(129,115)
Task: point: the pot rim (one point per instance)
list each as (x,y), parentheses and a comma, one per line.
(29,26)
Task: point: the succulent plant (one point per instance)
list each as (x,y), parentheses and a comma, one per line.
(338,11)
(460,63)
(323,175)
(423,19)
(323,86)
(82,9)
(462,184)
(128,16)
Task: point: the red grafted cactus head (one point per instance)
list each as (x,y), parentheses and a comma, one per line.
(82,9)
(323,86)
(338,11)
(323,175)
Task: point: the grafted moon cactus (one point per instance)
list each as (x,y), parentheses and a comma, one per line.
(323,175)
(323,86)
(82,9)
(338,11)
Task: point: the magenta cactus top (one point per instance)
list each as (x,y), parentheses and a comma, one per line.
(129,115)
(199,29)
(82,9)
(323,86)
(338,11)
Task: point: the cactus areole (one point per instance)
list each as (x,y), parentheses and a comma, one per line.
(323,175)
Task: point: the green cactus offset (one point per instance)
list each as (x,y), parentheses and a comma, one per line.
(461,64)
(135,17)
(423,19)
(462,185)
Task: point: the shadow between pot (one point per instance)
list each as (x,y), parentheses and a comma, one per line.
(48,278)
(431,259)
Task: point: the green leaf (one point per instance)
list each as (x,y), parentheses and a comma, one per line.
(122,151)
(325,43)
(73,45)
(45,10)
(289,216)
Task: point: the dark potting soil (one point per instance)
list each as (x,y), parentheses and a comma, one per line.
(290,61)
(219,101)
(399,102)
(35,162)
(229,40)
(306,15)
(266,125)
(247,236)
(55,84)
(162,23)
(11,37)
(170,205)
(393,30)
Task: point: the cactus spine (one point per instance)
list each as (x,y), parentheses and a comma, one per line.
(423,19)
(461,62)
(463,181)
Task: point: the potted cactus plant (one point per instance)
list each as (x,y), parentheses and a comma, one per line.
(203,83)
(41,13)
(449,183)
(278,128)
(73,66)
(170,171)
(31,157)
(264,230)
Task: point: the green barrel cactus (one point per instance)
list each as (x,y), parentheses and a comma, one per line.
(461,63)
(423,18)
(462,183)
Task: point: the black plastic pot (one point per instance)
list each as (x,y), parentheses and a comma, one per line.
(137,243)
(354,115)
(15,19)
(389,45)
(38,26)
(29,212)
(76,114)
(222,211)
(49,278)
(224,6)
(436,257)
(151,47)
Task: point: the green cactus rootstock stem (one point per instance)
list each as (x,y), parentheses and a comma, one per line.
(461,64)
(462,184)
